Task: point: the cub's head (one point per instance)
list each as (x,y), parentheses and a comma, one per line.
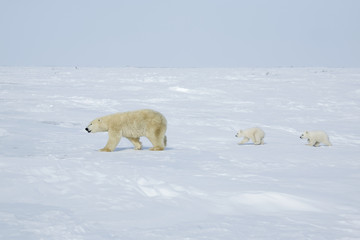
(98,125)
(305,135)
(240,133)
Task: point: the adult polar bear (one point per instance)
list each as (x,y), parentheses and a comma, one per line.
(132,125)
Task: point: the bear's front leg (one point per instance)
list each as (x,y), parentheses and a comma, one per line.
(245,140)
(105,150)
(113,141)
(311,143)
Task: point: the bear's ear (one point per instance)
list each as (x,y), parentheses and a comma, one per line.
(306,132)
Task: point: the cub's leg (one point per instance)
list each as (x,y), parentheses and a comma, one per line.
(258,140)
(245,140)
(253,139)
(311,142)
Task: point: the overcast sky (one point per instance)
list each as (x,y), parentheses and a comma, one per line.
(180,33)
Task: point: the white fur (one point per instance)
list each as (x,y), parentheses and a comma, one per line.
(315,138)
(132,125)
(255,134)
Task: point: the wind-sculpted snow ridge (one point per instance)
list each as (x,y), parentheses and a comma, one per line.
(56,185)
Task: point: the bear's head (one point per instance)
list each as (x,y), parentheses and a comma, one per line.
(240,133)
(98,125)
(305,135)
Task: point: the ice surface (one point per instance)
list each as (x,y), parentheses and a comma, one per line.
(54,184)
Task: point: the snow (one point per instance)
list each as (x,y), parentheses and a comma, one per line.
(54,184)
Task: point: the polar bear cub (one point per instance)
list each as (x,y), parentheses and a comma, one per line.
(132,125)
(315,138)
(255,134)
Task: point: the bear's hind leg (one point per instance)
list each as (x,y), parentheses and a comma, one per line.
(258,140)
(158,144)
(328,143)
(136,142)
(157,139)
(254,139)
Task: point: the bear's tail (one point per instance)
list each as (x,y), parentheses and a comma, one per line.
(165,141)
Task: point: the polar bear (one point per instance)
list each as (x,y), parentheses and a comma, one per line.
(255,134)
(132,125)
(315,138)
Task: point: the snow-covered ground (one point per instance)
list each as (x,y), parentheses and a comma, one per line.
(54,184)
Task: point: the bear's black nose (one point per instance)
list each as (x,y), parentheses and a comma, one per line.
(87,129)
